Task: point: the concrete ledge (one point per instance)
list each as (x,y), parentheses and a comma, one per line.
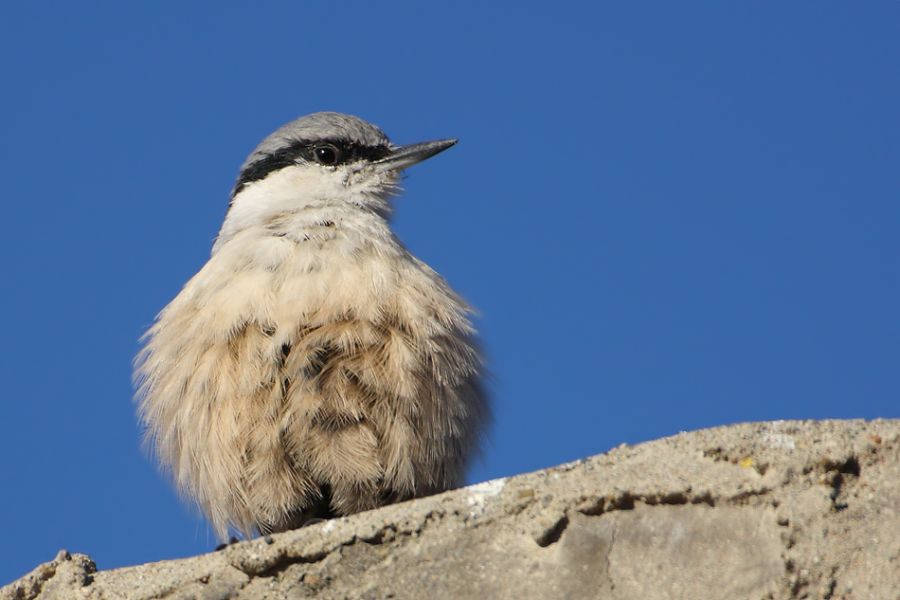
(788,509)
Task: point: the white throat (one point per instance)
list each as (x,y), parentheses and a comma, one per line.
(293,196)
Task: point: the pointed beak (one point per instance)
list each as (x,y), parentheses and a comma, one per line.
(402,157)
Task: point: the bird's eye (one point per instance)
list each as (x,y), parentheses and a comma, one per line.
(327,154)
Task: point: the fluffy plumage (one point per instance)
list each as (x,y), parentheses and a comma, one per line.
(313,366)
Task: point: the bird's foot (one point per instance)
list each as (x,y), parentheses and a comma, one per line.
(232,540)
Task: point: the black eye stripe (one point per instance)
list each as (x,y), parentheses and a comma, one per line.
(258,169)
(350,151)
(303,150)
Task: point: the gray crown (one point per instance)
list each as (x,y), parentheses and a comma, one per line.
(319,126)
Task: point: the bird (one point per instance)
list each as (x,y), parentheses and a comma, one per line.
(313,367)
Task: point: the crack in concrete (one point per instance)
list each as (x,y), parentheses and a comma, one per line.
(278,564)
(609,551)
(552,534)
(627,501)
(842,473)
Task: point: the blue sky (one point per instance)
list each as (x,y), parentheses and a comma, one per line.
(670,216)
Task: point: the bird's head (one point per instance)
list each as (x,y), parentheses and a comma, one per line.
(321,159)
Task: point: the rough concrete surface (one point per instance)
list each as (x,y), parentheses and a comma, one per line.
(788,509)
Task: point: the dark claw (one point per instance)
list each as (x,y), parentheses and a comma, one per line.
(232,540)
